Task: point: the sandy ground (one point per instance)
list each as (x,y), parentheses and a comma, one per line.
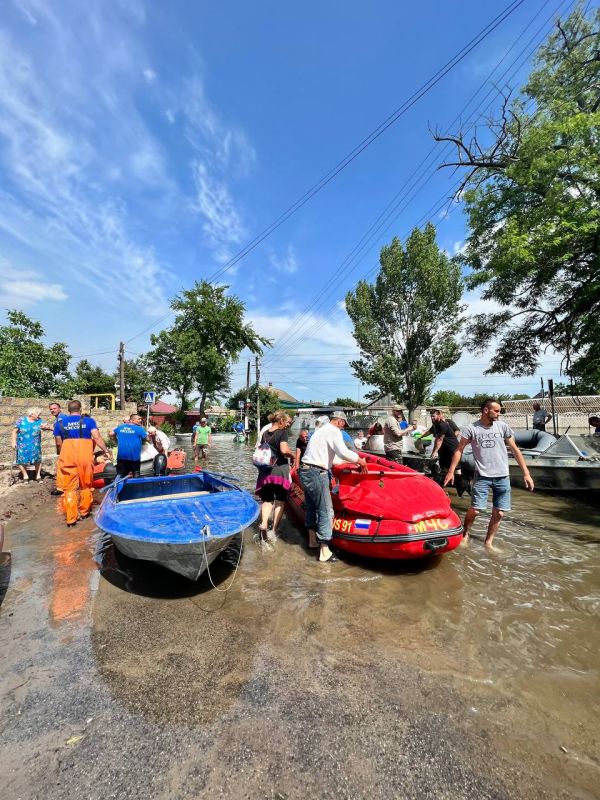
(17,498)
(342,682)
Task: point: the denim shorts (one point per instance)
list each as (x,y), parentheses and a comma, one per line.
(480,490)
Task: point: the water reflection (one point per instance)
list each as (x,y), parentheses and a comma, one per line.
(514,633)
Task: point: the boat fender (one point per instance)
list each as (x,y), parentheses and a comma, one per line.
(159,465)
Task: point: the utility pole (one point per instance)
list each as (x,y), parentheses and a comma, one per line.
(246,420)
(257,365)
(552,411)
(122,376)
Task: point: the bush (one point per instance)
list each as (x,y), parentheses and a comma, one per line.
(223,424)
(167,428)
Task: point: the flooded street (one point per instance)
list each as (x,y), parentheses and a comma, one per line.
(475,675)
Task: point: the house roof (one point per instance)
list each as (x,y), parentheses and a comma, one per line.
(281,394)
(216,410)
(162,408)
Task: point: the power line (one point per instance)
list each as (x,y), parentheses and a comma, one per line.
(359,148)
(374,135)
(376,227)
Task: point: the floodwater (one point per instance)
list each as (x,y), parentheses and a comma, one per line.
(474,675)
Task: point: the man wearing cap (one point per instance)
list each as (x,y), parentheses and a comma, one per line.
(393,434)
(202,440)
(323,446)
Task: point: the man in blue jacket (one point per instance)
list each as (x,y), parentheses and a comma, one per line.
(130,437)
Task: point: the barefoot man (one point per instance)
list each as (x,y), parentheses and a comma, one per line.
(488,438)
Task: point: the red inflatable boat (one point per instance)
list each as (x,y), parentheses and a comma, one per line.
(105,473)
(391,512)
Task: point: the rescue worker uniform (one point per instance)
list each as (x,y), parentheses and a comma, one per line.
(75,469)
(130,438)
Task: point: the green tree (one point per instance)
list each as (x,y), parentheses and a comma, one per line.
(195,354)
(139,378)
(346,402)
(446,397)
(171,365)
(533,204)
(87,379)
(407,321)
(269,402)
(28,368)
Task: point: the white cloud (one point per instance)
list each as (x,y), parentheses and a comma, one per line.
(85,182)
(223,154)
(22,288)
(287,263)
(55,202)
(221,224)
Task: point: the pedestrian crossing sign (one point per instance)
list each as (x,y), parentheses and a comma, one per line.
(149,398)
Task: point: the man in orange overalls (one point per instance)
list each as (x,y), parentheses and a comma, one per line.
(75,437)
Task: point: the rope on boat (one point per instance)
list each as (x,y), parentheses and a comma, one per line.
(212,583)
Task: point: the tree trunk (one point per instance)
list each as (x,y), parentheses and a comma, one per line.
(202,402)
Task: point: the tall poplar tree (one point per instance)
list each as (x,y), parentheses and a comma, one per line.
(407,321)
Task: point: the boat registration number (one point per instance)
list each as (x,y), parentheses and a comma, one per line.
(343,525)
(428,525)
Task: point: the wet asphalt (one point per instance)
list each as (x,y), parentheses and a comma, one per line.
(118,679)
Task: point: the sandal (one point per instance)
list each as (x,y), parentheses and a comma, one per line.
(331,560)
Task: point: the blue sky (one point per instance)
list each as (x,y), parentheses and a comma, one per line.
(142,145)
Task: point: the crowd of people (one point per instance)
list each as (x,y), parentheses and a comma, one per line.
(79,446)
(79,443)
(315,454)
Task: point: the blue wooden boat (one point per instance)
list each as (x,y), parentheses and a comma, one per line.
(182,522)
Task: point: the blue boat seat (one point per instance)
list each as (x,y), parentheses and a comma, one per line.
(161,497)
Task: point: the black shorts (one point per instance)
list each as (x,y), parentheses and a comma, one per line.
(445,457)
(126,466)
(271,492)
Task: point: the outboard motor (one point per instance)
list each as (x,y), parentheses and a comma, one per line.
(109,473)
(159,465)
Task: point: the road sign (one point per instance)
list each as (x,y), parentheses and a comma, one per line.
(149,398)
(241,404)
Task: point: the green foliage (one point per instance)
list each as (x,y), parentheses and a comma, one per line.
(406,322)
(452,399)
(27,367)
(346,402)
(269,403)
(195,354)
(223,424)
(87,379)
(167,428)
(139,378)
(533,203)
(446,397)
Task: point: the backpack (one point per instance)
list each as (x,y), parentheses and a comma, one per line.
(263,455)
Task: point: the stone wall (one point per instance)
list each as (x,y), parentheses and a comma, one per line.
(11,408)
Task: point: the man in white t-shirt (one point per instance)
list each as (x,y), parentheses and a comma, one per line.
(488,438)
(323,446)
(159,439)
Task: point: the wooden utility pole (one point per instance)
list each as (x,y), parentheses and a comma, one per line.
(246,420)
(122,376)
(552,410)
(257,365)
